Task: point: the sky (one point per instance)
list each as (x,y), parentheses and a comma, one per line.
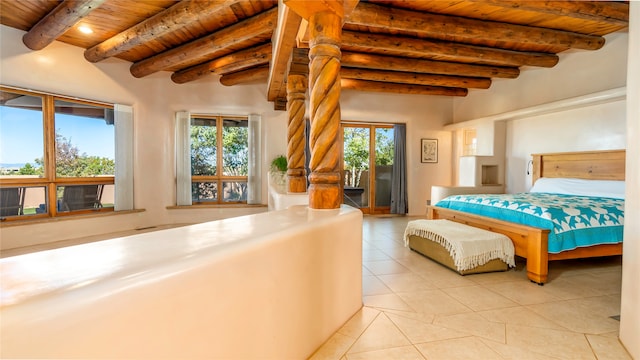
(21,135)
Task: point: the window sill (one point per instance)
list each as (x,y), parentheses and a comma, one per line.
(214,206)
(66,218)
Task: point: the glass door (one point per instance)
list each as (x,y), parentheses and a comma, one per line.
(367,166)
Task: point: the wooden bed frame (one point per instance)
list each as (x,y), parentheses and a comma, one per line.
(531,242)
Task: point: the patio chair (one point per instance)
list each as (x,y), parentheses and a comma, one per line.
(81,197)
(11,201)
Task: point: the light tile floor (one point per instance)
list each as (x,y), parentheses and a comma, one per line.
(415,308)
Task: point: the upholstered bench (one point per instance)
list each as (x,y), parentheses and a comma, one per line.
(462,248)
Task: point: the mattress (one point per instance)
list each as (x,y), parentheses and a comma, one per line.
(574,221)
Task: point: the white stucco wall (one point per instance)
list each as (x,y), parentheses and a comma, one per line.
(62,69)
(629,309)
(596,126)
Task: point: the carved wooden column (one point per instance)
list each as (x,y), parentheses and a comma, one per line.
(325,28)
(297,83)
(296,94)
(325,31)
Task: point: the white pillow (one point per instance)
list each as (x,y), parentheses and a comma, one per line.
(601,188)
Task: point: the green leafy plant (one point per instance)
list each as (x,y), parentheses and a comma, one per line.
(279,163)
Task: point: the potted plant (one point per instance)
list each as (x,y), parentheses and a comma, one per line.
(279,163)
(278,170)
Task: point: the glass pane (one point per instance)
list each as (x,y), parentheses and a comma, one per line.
(384,165)
(204,192)
(108,195)
(235,147)
(35,200)
(85,143)
(79,197)
(356,166)
(234,191)
(19,201)
(203,146)
(21,135)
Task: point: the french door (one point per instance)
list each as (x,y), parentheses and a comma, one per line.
(367,163)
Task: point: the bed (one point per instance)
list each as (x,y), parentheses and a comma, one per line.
(531,242)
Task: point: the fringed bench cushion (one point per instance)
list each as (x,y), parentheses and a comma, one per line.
(460,247)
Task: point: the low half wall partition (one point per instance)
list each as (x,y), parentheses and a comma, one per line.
(274,285)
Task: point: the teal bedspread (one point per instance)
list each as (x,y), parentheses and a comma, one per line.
(573,221)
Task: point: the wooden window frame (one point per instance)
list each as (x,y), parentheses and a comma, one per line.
(219,178)
(49,180)
(371,126)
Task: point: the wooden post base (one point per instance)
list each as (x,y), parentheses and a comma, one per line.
(296,180)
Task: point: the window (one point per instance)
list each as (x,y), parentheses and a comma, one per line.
(219,159)
(57,155)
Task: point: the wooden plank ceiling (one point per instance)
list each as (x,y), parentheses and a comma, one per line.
(401,46)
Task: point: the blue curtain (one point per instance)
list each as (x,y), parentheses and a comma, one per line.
(399,171)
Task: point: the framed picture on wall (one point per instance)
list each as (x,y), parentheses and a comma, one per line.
(429,150)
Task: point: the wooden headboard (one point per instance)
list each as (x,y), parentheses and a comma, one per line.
(592,165)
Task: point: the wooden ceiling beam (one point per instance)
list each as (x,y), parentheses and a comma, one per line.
(262,72)
(284,41)
(381,62)
(377,86)
(255,56)
(306,8)
(298,65)
(414,78)
(165,22)
(441,50)
(280,104)
(299,61)
(465,29)
(245,76)
(615,13)
(57,22)
(259,25)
